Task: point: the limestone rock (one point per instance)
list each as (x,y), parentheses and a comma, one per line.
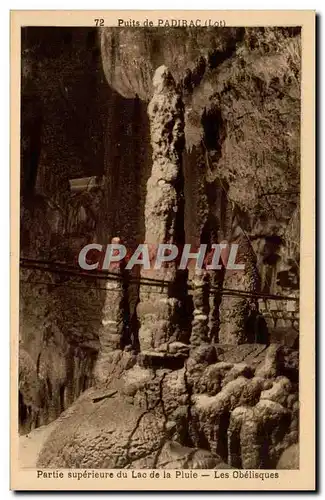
(164,389)
(175,392)
(204,354)
(243,353)
(251,440)
(233,435)
(111,365)
(28,382)
(175,348)
(211,379)
(274,420)
(163,208)
(235,311)
(176,456)
(200,323)
(31,391)
(269,366)
(289,458)
(252,391)
(279,392)
(135,378)
(240,369)
(106,434)
(130,66)
(294,426)
(210,415)
(200,358)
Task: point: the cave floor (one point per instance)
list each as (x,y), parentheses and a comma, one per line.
(30,445)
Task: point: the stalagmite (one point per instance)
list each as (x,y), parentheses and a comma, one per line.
(200,326)
(112,318)
(235,311)
(112,313)
(111,331)
(163,210)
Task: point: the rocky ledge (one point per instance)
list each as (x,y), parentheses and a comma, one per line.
(241,406)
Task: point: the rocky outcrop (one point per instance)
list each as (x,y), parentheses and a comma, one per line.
(31,391)
(147,416)
(138,441)
(176,456)
(129,66)
(289,458)
(61,349)
(107,424)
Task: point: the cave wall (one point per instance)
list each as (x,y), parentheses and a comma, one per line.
(241,90)
(73,125)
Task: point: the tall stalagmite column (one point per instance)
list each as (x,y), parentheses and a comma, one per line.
(163,210)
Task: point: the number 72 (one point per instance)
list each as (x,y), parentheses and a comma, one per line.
(99,22)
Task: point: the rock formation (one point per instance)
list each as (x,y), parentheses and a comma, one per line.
(200,324)
(171,371)
(163,210)
(235,311)
(112,331)
(241,418)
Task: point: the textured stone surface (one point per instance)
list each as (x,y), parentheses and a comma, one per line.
(175,456)
(279,391)
(211,415)
(131,71)
(31,390)
(224,408)
(242,353)
(289,458)
(200,323)
(236,311)
(268,367)
(255,435)
(106,434)
(163,208)
(112,365)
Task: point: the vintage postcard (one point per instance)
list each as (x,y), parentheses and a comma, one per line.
(162,250)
